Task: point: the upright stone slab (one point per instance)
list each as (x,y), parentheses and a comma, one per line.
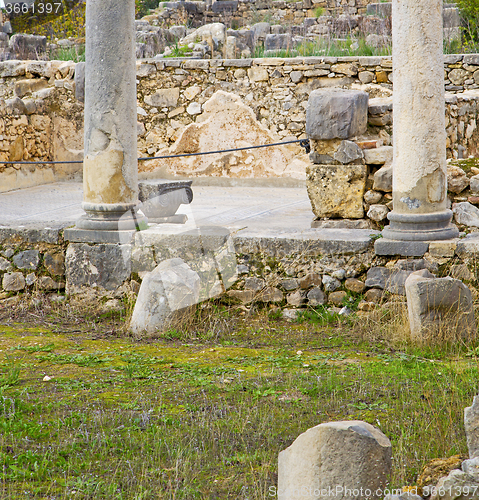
(471,424)
(419,174)
(341,460)
(110,167)
(171,288)
(439,308)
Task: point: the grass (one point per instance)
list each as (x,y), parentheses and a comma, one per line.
(75,54)
(205,413)
(329,48)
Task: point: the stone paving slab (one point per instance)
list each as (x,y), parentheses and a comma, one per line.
(275,219)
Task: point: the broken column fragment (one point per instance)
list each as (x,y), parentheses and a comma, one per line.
(343,460)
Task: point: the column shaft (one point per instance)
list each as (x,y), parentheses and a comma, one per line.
(110,167)
(419,178)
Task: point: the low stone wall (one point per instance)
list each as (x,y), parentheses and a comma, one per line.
(286,272)
(42,120)
(31,260)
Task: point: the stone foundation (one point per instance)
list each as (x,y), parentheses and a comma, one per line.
(324,267)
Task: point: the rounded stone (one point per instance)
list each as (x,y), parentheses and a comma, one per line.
(316,297)
(337,298)
(295,299)
(373,295)
(354,285)
(378,213)
(13,282)
(330,284)
(457,179)
(372,197)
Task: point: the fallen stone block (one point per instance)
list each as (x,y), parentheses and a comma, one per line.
(439,308)
(164,293)
(338,455)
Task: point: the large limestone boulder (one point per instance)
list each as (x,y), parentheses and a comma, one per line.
(228,123)
(172,287)
(350,460)
(215,30)
(439,308)
(337,190)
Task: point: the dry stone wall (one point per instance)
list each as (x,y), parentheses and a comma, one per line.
(241,12)
(42,120)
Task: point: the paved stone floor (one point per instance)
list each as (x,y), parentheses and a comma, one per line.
(231,207)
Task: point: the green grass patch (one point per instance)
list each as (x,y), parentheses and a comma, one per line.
(206,418)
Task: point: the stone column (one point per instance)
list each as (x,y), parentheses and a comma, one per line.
(110,167)
(419,178)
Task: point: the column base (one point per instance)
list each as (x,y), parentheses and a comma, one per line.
(420,227)
(112,217)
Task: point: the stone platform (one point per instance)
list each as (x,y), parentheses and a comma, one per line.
(249,241)
(277,219)
(281,216)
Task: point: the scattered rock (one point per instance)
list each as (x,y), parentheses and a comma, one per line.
(311,279)
(337,298)
(471,424)
(378,213)
(29,259)
(457,179)
(290,314)
(254,284)
(13,282)
(378,156)
(5,264)
(354,285)
(242,269)
(465,213)
(372,197)
(316,297)
(377,277)
(295,299)
(243,296)
(340,274)
(383,179)
(366,306)
(290,284)
(47,283)
(461,272)
(374,295)
(437,468)
(270,294)
(171,288)
(330,284)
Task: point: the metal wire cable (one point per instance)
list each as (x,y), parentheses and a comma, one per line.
(303,143)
